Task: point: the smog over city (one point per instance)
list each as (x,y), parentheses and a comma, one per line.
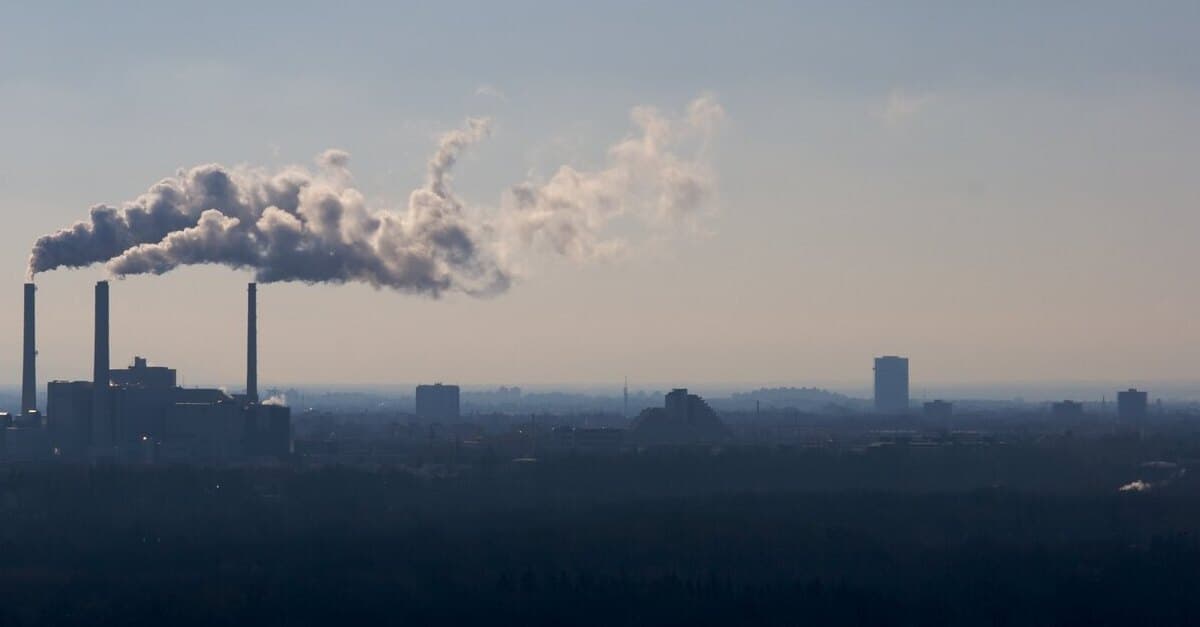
(628,314)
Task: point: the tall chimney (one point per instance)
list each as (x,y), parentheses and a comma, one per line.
(252,343)
(101,407)
(29,362)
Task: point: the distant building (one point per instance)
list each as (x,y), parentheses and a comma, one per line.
(1066,409)
(139,414)
(684,419)
(938,409)
(677,404)
(891,384)
(203,432)
(69,418)
(438,402)
(1131,405)
(143,376)
(152,419)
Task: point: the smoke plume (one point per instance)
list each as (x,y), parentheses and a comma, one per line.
(645,178)
(278,399)
(312,225)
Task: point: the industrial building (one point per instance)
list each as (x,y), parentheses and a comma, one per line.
(140,414)
(438,402)
(891,384)
(683,419)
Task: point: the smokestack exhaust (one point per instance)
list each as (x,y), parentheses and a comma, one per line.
(101,420)
(252,343)
(29,361)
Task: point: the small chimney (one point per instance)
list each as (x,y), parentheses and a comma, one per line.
(252,343)
(29,362)
(101,420)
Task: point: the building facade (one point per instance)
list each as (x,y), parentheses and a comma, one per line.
(1131,405)
(891,384)
(438,402)
(1066,409)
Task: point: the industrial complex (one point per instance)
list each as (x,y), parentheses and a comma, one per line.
(140,414)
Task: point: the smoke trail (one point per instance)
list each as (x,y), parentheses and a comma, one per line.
(278,399)
(325,233)
(294,225)
(645,178)
(313,226)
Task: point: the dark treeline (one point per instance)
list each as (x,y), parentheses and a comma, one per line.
(1020,534)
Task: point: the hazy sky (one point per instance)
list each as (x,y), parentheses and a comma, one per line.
(1002,193)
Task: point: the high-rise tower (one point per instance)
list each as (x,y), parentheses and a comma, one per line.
(891,384)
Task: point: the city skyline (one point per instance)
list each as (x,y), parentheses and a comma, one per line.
(922,389)
(683,312)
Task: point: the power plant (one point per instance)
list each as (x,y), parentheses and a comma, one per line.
(140,414)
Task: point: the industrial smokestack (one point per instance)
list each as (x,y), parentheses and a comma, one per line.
(101,420)
(29,362)
(252,343)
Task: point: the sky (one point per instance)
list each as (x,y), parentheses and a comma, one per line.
(1004,193)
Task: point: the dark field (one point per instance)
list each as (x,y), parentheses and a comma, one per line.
(1020,534)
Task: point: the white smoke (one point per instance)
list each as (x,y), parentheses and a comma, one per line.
(313,226)
(1135,486)
(324,232)
(645,178)
(278,399)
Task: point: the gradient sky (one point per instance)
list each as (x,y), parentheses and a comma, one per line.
(1002,193)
